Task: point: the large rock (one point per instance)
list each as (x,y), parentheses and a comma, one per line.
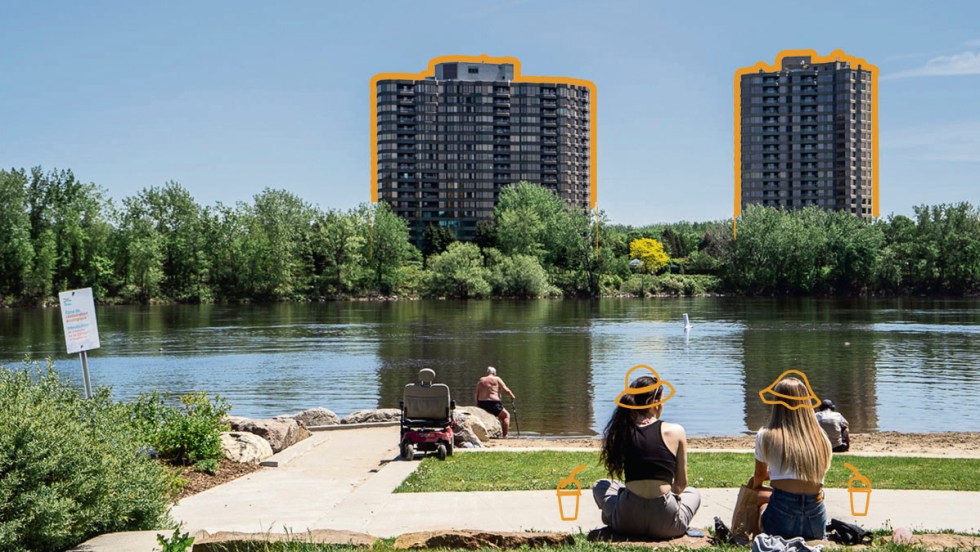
(474,540)
(490,422)
(469,428)
(281,433)
(227,541)
(246,448)
(317,417)
(372,416)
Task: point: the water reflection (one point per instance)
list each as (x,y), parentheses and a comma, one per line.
(827,341)
(895,364)
(541,349)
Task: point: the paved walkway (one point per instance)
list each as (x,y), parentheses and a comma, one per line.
(343,480)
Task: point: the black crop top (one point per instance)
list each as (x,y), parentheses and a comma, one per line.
(649,457)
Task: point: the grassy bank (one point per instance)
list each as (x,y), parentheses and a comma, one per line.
(580,545)
(541,470)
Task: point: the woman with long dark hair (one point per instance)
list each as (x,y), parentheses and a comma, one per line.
(650,455)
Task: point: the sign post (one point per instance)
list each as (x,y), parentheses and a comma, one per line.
(81,328)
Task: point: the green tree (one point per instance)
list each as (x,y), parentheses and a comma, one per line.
(278,246)
(533,220)
(457,272)
(177,219)
(339,261)
(573,247)
(71,233)
(224,234)
(140,251)
(16,249)
(436,239)
(388,248)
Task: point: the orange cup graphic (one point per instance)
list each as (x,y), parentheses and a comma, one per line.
(860,495)
(566,496)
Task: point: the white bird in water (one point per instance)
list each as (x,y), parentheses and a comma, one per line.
(687,323)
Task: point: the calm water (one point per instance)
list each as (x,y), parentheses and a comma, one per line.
(898,364)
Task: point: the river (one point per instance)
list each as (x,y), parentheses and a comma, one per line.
(890,364)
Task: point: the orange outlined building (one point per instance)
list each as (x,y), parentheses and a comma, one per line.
(518,77)
(856,63)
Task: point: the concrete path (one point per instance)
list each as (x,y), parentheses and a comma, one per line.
(322,472)
(344,480)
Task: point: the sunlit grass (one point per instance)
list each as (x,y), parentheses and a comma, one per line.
(541,470)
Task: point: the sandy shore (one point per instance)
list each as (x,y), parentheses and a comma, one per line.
(965,445)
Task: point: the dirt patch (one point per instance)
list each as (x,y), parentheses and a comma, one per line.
(941,541)
(227,471)
(966,445)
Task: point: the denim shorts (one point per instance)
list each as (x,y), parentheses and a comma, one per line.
(791,515)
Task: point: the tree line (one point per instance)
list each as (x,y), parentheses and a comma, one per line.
(57,233)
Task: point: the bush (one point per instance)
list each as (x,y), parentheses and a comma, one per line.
(641,285)
(637,285)
(519,276)
(209,466)
(70,468)
(182,435)
(457,272)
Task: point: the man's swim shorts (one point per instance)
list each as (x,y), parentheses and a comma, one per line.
(493,407)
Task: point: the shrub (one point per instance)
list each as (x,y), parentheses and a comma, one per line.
(457,272)
(519,276)
(209,466)
(182,435)
(70,468)
(636,285)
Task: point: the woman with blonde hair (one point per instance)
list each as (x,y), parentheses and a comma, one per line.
(794,454)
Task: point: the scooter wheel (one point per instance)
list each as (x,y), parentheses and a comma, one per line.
(441,451)
(408,451)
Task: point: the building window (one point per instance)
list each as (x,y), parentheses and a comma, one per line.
(473,70)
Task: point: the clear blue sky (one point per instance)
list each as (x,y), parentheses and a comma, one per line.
(230,97)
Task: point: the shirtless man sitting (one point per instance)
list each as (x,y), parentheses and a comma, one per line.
(487,397)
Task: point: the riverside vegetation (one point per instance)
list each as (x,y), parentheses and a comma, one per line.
(160,245)
(71,469)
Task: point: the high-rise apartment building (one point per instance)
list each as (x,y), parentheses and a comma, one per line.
(807,136)
(448,142)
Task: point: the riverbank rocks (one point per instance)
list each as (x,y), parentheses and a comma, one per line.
(228,541)
(372,416)
(474,540)
(280,434)
(489,421)
(245,448)
(468,429)
(317,417)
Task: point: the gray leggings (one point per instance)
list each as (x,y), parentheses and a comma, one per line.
(662,517)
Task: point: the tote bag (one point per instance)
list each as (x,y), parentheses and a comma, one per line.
(745,518)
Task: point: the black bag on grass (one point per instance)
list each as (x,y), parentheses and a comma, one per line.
(847,533)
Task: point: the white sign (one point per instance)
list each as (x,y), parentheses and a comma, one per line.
(78,317)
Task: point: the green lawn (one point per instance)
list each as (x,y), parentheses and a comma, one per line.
(541,470)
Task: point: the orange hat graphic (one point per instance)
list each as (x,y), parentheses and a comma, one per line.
(789,401)
(627,390)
